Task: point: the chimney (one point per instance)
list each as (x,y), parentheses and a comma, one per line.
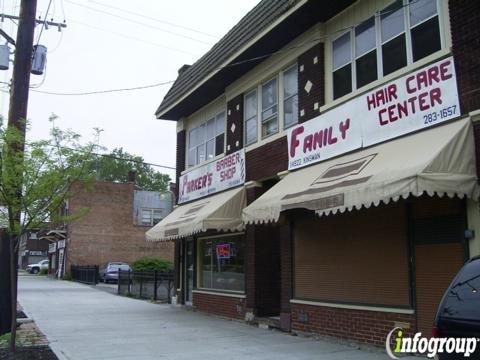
(183,68)
(131,176)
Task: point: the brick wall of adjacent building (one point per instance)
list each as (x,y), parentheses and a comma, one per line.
(107,232)
(364,326)
(234,130)
(227,306)
(311,70)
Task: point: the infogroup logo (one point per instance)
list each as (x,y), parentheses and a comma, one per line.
(431,347)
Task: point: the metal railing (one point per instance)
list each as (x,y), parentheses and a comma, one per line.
(153,285)
(87,274)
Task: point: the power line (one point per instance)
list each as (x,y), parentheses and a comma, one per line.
(153,19)
(44,22)
(138,22)
(124,36)
(104,91)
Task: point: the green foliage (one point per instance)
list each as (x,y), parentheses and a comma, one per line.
(43,272)
(150,263)
(113,167)
(37,182)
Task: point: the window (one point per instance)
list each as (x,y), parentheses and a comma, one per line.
(290,96)
(400,34)
(221,263)
(151,217)
(207,140)
(250,117)
(269,108)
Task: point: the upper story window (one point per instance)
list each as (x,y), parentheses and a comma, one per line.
(266,105)
(402,33)
(290,96)
(151,217)
(207,140)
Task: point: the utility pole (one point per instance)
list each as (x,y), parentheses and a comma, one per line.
(17,116)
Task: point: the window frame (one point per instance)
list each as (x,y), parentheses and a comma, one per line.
(407,31)
(206,139)
(285,98)
(280,102)
(152,218)
(198,262)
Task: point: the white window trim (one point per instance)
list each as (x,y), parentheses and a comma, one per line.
(151,211)
(187,141)
(262,140)
(282,87)
(444,41)
(261,121)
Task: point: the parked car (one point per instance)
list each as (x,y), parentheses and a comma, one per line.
(458,314)
(110,272)
(35,268)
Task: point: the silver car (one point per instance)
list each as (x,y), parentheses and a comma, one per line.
(110,272)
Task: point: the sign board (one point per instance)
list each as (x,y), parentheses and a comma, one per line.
(61,244)
(413,102)
(223,251)
(52,247)
(213,177)
(36,253)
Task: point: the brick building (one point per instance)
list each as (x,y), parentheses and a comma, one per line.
(113,228)
(326,165)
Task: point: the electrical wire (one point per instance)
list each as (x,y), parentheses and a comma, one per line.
(316,40)
(153,19)
(44,22)
(137,22)
(105,91)
(124,36)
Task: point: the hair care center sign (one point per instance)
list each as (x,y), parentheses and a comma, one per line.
(413,102)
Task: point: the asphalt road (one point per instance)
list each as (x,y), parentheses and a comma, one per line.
(82,322)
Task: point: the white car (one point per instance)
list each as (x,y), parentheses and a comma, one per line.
(35,268)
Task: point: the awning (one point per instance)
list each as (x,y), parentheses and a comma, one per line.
(221,212)
(436,161)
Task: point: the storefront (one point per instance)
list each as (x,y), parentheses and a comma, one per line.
(208,231)
(377,234)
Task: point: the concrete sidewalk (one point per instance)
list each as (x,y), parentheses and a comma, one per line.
(82,322)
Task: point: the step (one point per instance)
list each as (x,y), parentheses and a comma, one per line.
(271,322)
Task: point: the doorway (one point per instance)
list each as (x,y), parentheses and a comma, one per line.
(188,270)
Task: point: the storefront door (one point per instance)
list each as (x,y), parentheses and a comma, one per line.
(188,270)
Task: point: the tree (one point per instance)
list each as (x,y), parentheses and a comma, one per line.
(116,166)
(44,172)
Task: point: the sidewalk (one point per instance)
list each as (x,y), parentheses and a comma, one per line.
(82,322)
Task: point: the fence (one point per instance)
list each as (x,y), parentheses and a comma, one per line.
(87,274)
(153,285)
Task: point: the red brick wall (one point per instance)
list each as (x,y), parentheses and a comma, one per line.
(107,232)
(313,71)
(369,327)
(464,20)
(234,117)
(267,160)
(226,306)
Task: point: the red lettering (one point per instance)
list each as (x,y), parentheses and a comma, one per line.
(436,96)
(444,67)
(380,117)
(307,143)
(391,114)
(295,142)
(344,126)
(331,139)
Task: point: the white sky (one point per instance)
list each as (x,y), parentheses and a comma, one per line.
(98,51)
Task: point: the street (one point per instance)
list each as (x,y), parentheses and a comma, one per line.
(82,322)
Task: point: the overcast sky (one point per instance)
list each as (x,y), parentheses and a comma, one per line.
(111,44)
